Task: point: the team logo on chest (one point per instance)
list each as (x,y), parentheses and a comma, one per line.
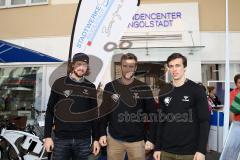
(167,100)
(185,98)
(67,93)
(85,91)
(135,95)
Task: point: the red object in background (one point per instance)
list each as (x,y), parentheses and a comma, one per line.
(18,81)
(233,94)
(89,43)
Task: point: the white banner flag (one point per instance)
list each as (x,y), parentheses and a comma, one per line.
(231,150)
(97,23)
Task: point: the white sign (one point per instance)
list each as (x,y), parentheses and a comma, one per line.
(173,24)
(99,22)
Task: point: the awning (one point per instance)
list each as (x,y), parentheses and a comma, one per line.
(13,53)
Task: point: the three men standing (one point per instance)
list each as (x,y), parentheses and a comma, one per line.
(182,134)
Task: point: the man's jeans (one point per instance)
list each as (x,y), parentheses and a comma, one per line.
(76,149)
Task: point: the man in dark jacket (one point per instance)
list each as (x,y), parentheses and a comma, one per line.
(184,118)
(126,131)
(70,96)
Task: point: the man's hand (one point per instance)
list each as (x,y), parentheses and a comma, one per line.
(157,155)
(96,148)
(103,141)
(149,145)
(48,144)
(199,156)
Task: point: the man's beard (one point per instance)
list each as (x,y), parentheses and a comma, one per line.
(78,75)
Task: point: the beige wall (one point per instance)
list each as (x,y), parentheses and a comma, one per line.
(212,13)
(46,20)
(57,20)
(234,15)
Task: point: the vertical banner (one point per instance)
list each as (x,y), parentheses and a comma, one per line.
(231,150)
(98,25)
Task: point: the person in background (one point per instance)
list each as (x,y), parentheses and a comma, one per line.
(203,87)
(233,94)
(212,95)
(211,105)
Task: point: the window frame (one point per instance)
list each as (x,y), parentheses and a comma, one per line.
(38,3)
(4,6)
(16,5)
(41,67)
(27,3)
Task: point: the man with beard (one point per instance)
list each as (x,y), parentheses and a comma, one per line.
(73,138)
(184,134)
(126,132)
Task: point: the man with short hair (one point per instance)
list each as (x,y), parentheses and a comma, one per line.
(126,131)
(233,94)
(183,132)
(72,137)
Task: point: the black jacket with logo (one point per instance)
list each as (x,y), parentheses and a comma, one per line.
(71,109)
(126,120)
(184,120)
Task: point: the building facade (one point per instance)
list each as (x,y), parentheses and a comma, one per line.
(46,26)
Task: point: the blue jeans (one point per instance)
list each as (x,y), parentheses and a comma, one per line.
(74,149)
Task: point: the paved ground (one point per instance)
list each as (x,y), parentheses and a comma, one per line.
(210,156)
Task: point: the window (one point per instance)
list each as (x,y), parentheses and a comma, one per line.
(38,1)
(212,72)
(21,3)
(216,72)
(2,3)
(18,2)
(20,90)
(214,75)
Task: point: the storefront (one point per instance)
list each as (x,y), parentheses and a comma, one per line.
(155,32)
(22,80)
